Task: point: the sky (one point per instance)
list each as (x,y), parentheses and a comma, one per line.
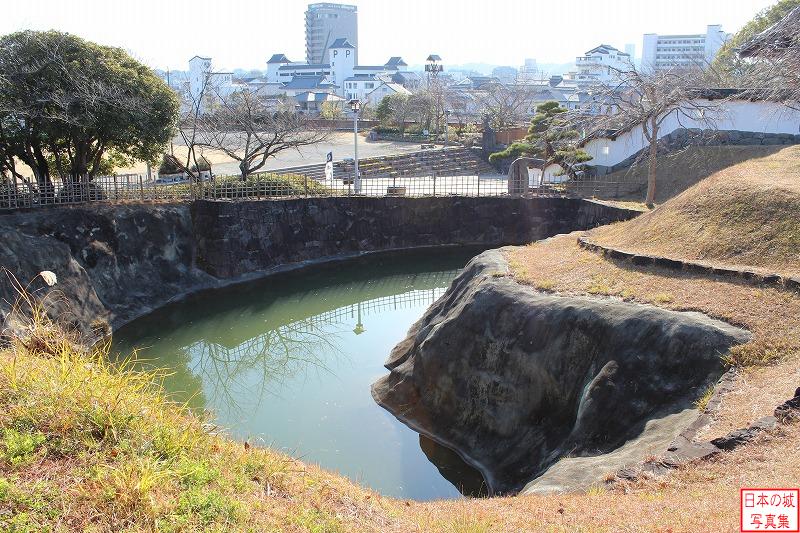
(244,33)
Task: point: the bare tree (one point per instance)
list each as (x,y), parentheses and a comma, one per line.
(506,104)
(648,99)
(244,127)
(770,69)
(189,126)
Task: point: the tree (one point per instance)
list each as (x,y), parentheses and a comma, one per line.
(646,100)
(506,104)
(71,103)
(331,111)
(551,137)
(772,62)
(393,110)
(727,60)
(247,130)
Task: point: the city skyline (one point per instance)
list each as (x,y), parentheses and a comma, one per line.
(244,34)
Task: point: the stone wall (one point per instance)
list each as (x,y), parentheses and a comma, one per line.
(117,262)
(236,238)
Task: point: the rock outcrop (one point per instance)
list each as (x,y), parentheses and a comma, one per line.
(514,380)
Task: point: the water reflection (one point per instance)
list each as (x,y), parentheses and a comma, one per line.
(290,360)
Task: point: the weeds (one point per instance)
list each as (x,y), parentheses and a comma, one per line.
(18,447)
(702,402)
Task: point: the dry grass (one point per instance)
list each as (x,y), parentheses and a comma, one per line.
(680,170)
(745,215)
(771,314)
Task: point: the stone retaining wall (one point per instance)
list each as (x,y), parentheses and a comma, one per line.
(117,262)
(234,238)
(788,282)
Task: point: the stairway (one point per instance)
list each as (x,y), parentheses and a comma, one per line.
(457,161)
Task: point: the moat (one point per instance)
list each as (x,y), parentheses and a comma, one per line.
(288,361)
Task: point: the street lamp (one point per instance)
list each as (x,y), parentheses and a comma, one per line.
(433,67)
(446,124)
(359,329)
(355,106)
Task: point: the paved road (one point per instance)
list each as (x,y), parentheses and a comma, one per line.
(340,143)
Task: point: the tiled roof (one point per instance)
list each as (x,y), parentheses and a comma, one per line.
(305,67)
(341,42)
(278,58)
(308,82)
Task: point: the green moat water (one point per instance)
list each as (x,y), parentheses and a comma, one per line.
(288,362)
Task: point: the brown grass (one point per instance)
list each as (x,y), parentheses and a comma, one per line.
(771,314)
(747,215)
(677,171)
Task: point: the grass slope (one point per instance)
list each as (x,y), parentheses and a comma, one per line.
(677,171)
(745,215)
(90,446)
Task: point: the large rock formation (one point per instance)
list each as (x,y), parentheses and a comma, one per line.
(514,380)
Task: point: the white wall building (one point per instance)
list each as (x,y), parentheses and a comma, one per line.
(736,115)
(203,79)
(384,89)
(669,51)
(601,64)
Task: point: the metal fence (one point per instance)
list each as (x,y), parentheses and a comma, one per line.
(272,185)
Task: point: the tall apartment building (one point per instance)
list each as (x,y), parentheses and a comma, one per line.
(325,23)
(668,51)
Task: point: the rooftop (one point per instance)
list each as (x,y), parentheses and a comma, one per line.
(308,82)
(396,61)
(341,42)
(278,58)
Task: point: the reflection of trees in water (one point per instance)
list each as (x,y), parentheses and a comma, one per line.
(260,365)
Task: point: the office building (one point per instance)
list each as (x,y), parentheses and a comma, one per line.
(671,51)
(325,23)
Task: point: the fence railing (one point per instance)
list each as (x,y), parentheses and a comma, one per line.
(268,185)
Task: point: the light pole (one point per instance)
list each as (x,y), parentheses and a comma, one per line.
(359,329)
(433,68)
(446,125)
(355,106)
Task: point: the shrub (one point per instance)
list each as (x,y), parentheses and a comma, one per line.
(264,185)
(385,130)
(202,165)
(170,165)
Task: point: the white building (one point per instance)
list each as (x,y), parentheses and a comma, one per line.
(669,51)
(203,80)
(600,65)
(384,89)
(340,75)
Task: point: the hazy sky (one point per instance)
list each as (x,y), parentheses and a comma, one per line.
(244,33)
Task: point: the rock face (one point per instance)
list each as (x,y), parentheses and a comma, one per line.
(513,379)
(113,263)
(116,262)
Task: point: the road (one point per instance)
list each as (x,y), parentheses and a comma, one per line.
(340,143)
